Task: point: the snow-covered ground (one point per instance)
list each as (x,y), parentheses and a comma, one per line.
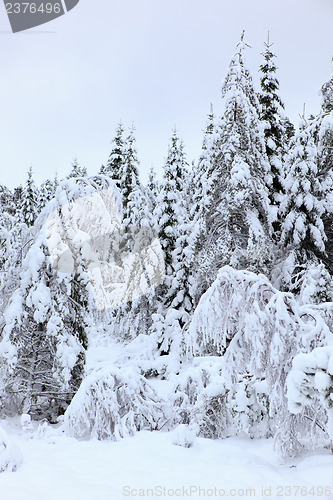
(149,465)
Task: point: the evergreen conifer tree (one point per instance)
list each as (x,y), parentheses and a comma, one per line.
(115,164)
(44,340)
(276,125)
(42,350)
(302,232)
(237,219)
(28,211)
(77,171)
(152,185)
(47,192)
(173,228)
(322,131)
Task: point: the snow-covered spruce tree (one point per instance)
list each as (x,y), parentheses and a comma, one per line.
(47,192)
(43,343)
(77,171)
(238,218)
(28,211)
(11,253)
(123,166)
(173,229)
(46,322)
(153,186)
(115,164)
(203,171)
(6,200)
(322,131)
(17,232)
(204,176)
(276,130)
(311,382)
(129,180)
(302,232)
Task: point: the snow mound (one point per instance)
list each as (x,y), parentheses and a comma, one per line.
(10,455)
(183,436)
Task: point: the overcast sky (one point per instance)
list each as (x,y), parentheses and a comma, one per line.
(156,63)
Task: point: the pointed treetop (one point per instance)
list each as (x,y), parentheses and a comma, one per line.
(327,96)
(267,44)
(77,170)
(302,116)
(242,44)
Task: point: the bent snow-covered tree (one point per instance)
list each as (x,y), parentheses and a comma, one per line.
(112,404)
(258,331)
(44,337)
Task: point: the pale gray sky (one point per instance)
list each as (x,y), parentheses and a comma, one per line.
(158,63)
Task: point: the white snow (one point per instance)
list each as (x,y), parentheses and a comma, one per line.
(57,467)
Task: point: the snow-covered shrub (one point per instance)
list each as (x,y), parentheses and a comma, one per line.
(192,381)
(309,280)
(259,331)
(248,401)
(316,285)
(10,455)
(112,404)
(212,413)
(310,383)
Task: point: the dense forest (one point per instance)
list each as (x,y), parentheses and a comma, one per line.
(203,299)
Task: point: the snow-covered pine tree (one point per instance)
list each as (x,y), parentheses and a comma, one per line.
(302,233)
(276,130)
(310,384)
(238,217)
(28,211)
(77,171)
(169,211)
